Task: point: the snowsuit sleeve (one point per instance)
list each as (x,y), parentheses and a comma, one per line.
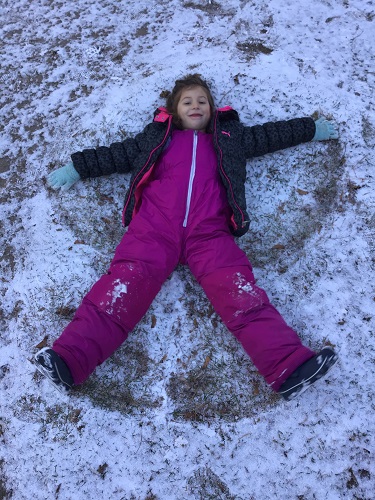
(105,160)
(273,136)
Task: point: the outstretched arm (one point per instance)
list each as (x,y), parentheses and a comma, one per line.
(118,157)
(92,163)
(273,136)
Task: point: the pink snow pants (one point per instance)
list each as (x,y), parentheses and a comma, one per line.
(155,243)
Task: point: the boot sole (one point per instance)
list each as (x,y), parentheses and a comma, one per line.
(61,386)
(303,386)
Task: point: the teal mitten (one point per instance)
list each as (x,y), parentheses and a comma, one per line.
(63,177)
(325,129)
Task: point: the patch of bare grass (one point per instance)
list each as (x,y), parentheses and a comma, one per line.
(218,390)
(252,48)
(204,484)
(211,7)
(123,384)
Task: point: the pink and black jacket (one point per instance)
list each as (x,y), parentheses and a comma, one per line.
(234,144)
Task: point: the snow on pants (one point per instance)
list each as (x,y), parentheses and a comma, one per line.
(142,262)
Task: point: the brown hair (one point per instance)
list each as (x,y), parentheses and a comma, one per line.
(187,82)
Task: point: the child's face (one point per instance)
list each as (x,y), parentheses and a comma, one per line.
(193,109)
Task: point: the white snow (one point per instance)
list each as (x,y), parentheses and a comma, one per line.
(76,74)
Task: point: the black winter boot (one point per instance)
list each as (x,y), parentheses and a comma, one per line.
(308,373)
(49,363)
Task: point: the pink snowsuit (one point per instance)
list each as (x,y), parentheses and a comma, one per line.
(183,218)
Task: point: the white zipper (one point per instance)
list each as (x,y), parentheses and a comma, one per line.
(191,179)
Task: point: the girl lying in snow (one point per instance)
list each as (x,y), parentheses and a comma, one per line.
(185,204)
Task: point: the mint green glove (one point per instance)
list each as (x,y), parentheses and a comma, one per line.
(325,129)
(63,177)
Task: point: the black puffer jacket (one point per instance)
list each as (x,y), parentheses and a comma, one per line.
(234,144)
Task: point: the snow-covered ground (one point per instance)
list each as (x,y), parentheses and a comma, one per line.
(179,412)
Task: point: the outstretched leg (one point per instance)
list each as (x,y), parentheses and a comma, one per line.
(225,273)
(143,261)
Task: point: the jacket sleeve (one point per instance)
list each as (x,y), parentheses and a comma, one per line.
(105,160)
(273,136)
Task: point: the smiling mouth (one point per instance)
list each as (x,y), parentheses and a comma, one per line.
(196,115)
